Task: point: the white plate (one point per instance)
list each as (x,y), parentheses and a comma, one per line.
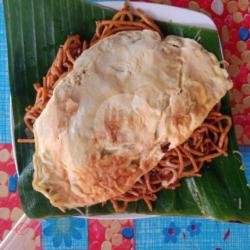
(157,12)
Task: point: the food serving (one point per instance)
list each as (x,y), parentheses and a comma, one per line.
(126,115)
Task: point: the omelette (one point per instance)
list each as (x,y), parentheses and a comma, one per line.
(126,97)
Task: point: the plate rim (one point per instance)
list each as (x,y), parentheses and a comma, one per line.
(158,11)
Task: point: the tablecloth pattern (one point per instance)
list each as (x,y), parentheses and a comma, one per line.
(4,86)
(233,21)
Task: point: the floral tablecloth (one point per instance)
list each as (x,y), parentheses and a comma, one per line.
(18,232)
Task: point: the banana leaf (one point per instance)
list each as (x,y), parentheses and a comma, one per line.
(35,30)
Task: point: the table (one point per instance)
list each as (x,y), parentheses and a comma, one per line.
(18,232)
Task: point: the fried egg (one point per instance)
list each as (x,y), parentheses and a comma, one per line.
(126,97)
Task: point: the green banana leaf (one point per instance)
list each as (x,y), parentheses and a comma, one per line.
(35,30)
